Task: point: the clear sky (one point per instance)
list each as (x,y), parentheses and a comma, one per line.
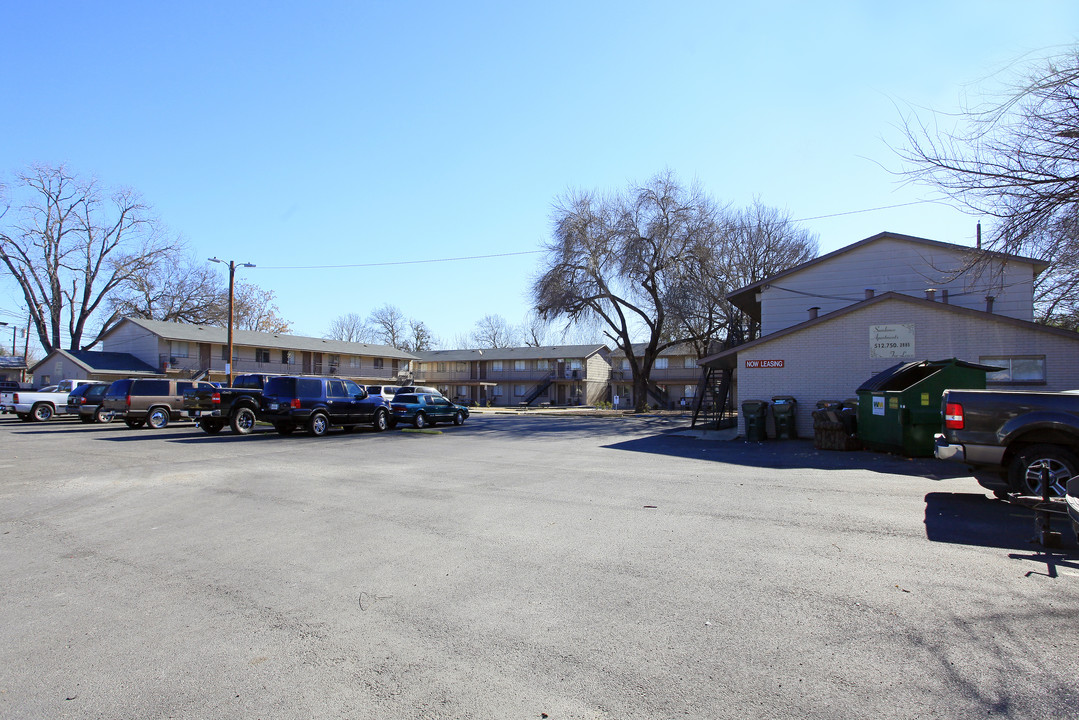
(340,133)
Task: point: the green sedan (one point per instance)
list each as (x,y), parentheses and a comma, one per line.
(423,409)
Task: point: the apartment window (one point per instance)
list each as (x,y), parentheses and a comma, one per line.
(178,349)
(543,365)
(520,365)
(496,391)
(689,361)
(378,363)
(519,390)
(462,391)
(262,355)
(496,365)
(287,357)
(689,391)
(625,363)
(574,364)
(225,353)
(440,367)
(1018,369)
(661,364)
(353,361)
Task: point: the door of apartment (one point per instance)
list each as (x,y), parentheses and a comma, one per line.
(561,393)
(306,363)
(393,367)
(561,368)
(204,356)
(475,368)
(317,363)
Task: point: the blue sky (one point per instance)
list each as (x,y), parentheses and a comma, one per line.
(339,133)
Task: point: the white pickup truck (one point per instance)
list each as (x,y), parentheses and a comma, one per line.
(40,405)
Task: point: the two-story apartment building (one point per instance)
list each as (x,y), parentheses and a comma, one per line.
(832,323)
(556,375)
(152,347)
(676,371)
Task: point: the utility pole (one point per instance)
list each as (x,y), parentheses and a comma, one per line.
(232,279)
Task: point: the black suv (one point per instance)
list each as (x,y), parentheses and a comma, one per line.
(316,403)
(86,402)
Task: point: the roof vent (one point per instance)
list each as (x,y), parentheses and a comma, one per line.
(930,294)
(813,312)
(869,292)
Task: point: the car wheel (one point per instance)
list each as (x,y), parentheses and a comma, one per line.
(41,412)
(284,428)
(421,421)
(157,418)
(101,415)
(243,421)
(318,424)
(211,427)
(1025,471)
(458,418)
(134,424)
(382,420)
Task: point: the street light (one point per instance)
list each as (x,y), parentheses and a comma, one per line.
(232,275)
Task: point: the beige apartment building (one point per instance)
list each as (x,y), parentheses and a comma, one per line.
(556,375)
(676,375)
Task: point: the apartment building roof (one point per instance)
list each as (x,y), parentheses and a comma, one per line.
(97,361)
(553,352)
(278,341)
(744,298)
(638,348)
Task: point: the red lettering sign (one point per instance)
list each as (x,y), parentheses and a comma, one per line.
(757,364)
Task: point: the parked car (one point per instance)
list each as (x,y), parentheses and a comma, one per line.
(386,391)
(40,405)
(213,407)
(419,389)
(318,403)
(423,409)
(86,401)
(154,402)
(1008,438)
(1073,503)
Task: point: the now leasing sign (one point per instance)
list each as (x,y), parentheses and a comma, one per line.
(764,363)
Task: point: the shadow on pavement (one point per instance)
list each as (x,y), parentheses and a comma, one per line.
(788,454)
(980,520)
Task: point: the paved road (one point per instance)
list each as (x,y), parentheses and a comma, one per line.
(516,567)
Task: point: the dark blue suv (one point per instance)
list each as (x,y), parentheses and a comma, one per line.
(317,403)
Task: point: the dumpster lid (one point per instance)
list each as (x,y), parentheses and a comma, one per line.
(903,375)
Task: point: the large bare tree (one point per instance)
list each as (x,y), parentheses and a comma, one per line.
(493,331)
(628,261)
(1014,159)
(184,291)
(254,309)
(390,326)
(71,246)
(351,327)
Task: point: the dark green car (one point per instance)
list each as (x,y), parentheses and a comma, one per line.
(423,409)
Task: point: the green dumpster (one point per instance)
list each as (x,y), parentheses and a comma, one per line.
(783,407)
(754,413)
(899,408)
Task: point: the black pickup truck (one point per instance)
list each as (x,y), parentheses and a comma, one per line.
(237,405)
(1007,438)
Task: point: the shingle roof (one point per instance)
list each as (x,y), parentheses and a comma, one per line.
(279,341)
(552,352)
(638,348)
(104,362)
(12,362)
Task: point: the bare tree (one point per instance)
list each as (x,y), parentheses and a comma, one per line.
(70,248)
(492,331)
(183,291)
(390,326)
(622,259)
(254,309)
(534,331)
(351,328)
(1015,159)
(420,337)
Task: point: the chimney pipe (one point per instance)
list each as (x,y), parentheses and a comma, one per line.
(868,293)
(989,303)
(813,313)
(930,294)
(944,296)
(979,236)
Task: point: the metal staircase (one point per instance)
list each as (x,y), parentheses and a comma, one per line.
(713,404)
(539,389)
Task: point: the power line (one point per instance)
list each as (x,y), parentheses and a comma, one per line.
(855,212)
(400,262)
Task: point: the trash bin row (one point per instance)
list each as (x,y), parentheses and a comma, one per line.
(755,414)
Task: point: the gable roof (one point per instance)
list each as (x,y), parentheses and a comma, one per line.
(12,362)
(248,338)
(679,349)
(728,357)
(96,361)
(745,298)
(551,352)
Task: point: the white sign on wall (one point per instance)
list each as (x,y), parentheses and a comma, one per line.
(891,341)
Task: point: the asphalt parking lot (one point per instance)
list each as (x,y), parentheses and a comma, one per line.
(516,567)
